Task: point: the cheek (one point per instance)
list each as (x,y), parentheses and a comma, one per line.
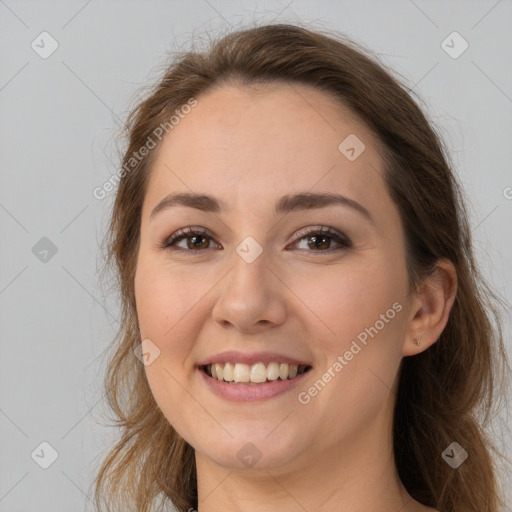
(345,303)
(166,314)
(359,321)
(163,299)
(165,308)
(360,314)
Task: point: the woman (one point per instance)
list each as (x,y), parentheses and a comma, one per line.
(297,278)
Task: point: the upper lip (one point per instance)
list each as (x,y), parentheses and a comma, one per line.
(232,356)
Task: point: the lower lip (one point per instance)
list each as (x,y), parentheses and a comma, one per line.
(248,392)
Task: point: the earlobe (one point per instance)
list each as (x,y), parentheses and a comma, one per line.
(434,301)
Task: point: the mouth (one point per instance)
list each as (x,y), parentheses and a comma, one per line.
(255,374)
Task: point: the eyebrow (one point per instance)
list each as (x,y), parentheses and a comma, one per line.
(286,204)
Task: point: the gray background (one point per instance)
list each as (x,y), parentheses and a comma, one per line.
(59,119)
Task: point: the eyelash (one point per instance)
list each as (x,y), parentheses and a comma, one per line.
(340,238)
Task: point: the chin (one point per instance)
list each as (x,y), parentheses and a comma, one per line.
(257,451)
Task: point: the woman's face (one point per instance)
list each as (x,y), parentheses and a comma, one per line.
(264,280)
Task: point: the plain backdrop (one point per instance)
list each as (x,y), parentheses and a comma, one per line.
(60,115)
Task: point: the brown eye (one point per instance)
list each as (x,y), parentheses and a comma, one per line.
(320,239)
(195,240)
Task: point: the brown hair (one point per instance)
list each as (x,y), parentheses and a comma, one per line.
(445,394)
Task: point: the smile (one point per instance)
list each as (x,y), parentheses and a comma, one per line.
(237,390)
(257,373)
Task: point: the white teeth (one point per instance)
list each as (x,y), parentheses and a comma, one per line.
(228,372)
(219,371)
(272,371)
(241,373)
(256,373)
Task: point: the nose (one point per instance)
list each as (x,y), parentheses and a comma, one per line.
(251,298)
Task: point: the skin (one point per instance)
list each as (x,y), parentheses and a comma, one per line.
(248,147)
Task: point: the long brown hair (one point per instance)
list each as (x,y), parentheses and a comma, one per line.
(445,394)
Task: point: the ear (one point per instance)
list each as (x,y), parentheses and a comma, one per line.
(430,308)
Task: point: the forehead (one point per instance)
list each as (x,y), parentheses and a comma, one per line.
(271,139)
